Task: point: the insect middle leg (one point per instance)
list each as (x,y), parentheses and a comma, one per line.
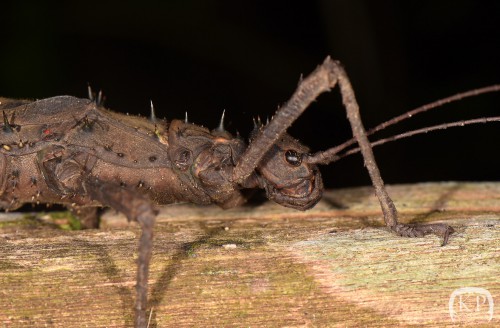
(139,208)
(70,173)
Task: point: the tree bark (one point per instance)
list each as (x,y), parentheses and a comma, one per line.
(263,265)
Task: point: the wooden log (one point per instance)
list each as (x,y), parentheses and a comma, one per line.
(264,265)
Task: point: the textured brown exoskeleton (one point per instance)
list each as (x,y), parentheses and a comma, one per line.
(73,151)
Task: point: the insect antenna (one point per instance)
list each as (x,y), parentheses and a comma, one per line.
(332,154)
(411,133)
(435,104)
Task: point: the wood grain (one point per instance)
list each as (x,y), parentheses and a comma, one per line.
(262,265)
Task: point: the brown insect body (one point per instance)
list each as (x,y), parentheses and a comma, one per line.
(74,152)
(51,146)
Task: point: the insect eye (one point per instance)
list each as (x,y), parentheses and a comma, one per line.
(293,158)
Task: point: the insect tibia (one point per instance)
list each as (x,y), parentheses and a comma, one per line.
(322,79)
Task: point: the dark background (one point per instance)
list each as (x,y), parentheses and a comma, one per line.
(247,56)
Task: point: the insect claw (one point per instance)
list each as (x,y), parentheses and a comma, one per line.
(221,124)
(186,119)
(152,117)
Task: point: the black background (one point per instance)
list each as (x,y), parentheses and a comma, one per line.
(247,56)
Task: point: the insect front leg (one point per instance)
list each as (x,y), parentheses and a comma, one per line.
(386,203)
(324,78)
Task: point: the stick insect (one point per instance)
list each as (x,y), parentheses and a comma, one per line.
(74,152)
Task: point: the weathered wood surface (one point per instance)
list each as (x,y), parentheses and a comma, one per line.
(263,265)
